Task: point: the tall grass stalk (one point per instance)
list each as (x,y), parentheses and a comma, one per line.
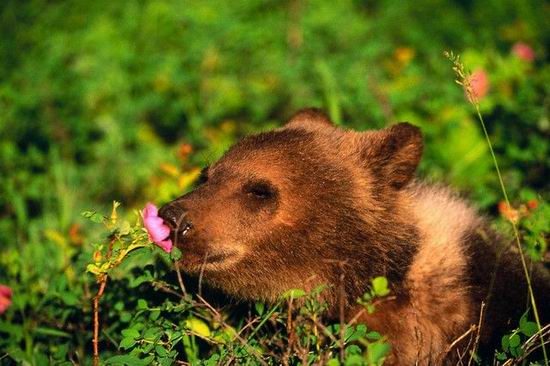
(464,79)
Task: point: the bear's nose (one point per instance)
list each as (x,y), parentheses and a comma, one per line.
(175,216)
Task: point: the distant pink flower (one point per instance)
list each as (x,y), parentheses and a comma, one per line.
(479,84)
(5,298)
(523,51)
(156,228)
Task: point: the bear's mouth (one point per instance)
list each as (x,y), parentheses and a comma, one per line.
(181,230)
(179,233)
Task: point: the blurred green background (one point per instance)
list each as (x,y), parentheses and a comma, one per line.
(124,100)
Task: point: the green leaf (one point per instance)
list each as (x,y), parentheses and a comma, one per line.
(94,216)
(129,360)
(515,340)
(175,254)
(333,362)
(94,269)
(152,334)
(260,308)
(154,314)
(353,349)
(51,332)
(135,282)
(166,361)
(125,317)
(354,360)
(142,304)
(294,293)
(505,342)
(526,327)
(14,330)
(354,333)
(372,335)
(376,352)
(124,228)
(130,333)
(161,351)
(529,328)
(197,326)
(380,286)
(69,298)
(127,343)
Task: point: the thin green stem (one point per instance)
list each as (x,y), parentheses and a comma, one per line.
(515,229)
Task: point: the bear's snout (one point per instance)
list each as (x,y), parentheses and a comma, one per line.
(176,217)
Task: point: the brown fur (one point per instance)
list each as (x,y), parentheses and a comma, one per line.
(303,205)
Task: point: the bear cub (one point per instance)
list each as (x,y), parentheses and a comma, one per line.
(312,204)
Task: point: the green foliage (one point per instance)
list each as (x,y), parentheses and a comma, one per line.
(520,342)
(379,289)
(126,100)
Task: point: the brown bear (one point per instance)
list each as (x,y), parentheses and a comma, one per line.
(311,204)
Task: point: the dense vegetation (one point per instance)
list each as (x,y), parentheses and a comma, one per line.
(112,100)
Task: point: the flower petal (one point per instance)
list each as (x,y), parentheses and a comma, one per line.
(5,298)
(156,228)
(5,291)
(166,245)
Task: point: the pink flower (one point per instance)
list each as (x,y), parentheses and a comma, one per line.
(5,298)
(158,231)
(479,85)
(523,51)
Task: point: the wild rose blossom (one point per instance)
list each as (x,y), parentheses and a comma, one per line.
(156,228)
(5,298)
(523,51)
(532,204)
(478,85)
(508,212)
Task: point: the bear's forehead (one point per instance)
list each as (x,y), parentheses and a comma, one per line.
(277,155)
(288,157)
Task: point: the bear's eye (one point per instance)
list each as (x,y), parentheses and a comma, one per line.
(260,189)
(203,177)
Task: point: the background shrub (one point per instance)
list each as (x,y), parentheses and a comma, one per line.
(110,100)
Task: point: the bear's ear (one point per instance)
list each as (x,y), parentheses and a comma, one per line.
(308,119)
(393,153)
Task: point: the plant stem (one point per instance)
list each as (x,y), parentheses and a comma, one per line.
(102,280)
(515,229)
(102,284)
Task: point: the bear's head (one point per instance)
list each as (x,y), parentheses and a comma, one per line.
(300,206)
